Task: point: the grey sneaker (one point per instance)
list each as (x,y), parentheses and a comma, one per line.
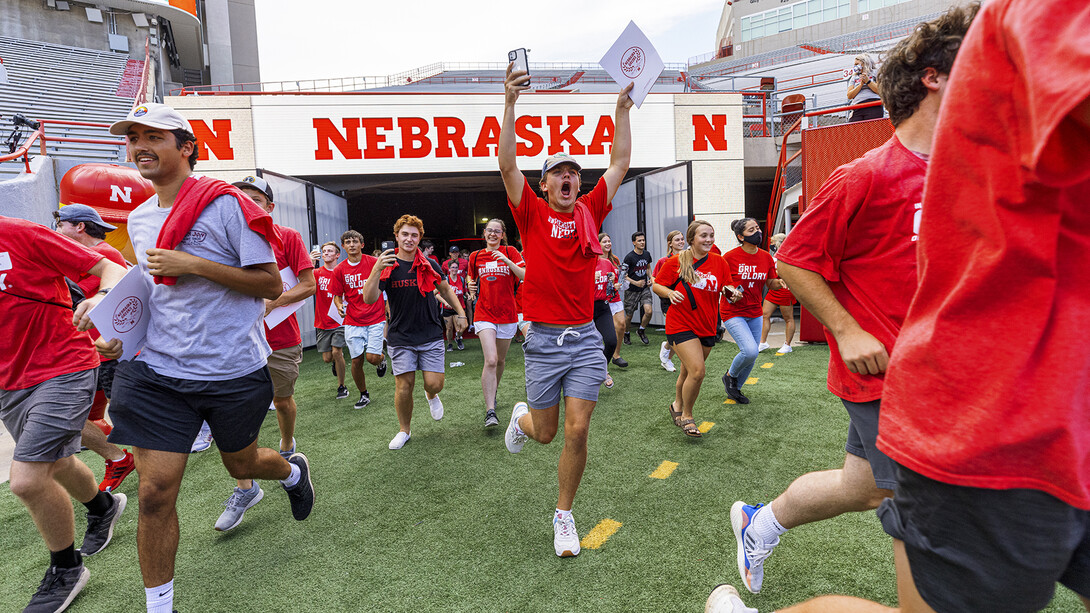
(100,528)
(237,504)
(301,494)
(58,589)
(490,419)
(287,454)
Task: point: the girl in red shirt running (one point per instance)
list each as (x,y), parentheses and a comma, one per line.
(616,305)
(693,282)
(493,273)
(782,298)
(675,244)
(754,269)
(447,310)
(607,301)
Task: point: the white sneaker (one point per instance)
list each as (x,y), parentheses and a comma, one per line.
(399,440)
(762,346)
(785,349)
(664,353)
(725,599)
(203,441)
(515,438)
(669,366)
(565,538)
(436,407)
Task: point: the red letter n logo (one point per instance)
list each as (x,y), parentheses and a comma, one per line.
(217,139)
(712,133)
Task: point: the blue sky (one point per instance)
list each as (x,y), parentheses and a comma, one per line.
(341,38)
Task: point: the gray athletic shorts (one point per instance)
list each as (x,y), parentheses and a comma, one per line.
(973,549)
(635,298)
(427,357)
(563,361)
(328,339)
(862,435)
(45,420)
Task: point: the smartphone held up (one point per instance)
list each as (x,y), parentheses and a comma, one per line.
(518,58)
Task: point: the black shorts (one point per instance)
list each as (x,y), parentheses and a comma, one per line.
(973,549)
(106,377)
(862,436)
(688,335)
(151,411)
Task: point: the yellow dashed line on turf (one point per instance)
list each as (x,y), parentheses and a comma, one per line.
(781,354)
(600,534)
(705,426)
(766,365)
(729,401)
(664,470)
(751,380)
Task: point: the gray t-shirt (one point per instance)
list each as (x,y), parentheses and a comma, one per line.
(199,329)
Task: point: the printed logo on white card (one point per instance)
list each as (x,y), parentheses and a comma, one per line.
(632,62)
(127,314)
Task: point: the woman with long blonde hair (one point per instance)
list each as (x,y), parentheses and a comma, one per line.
(693,283)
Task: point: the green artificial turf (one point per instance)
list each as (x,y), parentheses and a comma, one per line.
(453,522)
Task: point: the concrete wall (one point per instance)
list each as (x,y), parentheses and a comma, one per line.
(33,20)
(31,196)
(247,66)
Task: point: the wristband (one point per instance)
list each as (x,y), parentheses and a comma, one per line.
(103,291)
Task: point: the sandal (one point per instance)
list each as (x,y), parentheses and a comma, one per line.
(674,415)
(689,427)
(609,382)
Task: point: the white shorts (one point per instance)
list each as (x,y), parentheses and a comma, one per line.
(503,331)
(364,339)
(522,323)
(616,307)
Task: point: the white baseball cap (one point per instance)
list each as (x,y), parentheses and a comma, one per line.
(257,183)
(153,115)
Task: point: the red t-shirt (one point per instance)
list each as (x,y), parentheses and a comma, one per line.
(751,271)
(323,298)
(714,274)
(495,285)
(559,282)
(348,280)
(859,233)
(294,255)
(1003,252)
(38,341)
(459,286)
(463,267)
(89,284)
(602,269)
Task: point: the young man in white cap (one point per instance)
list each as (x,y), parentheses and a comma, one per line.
(286,343)
(563,348)
(209,250)
(84,225)
(47,380)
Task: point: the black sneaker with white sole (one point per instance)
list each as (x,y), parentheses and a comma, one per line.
(365,399)
(730,384)
(643,336)
(490,419)
(100,528)
(58,589)
(301,495)
(380,370)
(342,392)
(460,344)
(628,338)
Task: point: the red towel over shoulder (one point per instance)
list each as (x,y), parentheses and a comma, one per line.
(426,277)
(196,194)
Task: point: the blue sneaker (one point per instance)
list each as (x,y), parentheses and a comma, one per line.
(752,550)
(203,441)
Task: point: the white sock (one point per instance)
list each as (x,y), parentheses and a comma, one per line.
(764,522)
(562,514)
(293,478)
(118,459)
(161,598)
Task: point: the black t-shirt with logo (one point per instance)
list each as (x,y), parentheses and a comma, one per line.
(639,264)
(414,319)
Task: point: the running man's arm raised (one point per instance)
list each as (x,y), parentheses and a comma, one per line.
(513,179)
(621,154)
(861,352)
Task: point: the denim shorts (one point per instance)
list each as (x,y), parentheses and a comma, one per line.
(563,361)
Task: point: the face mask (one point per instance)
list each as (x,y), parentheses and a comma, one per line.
(754,239)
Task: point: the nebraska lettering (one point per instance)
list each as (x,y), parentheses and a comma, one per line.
(448,137)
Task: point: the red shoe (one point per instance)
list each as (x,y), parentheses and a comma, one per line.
(116,472)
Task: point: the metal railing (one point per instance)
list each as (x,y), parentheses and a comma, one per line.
(43,139)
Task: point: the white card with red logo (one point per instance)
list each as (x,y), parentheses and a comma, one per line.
(334,314)
(124,314)
(633,59)
(279,314)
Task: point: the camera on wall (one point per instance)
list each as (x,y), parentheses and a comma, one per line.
(19,120)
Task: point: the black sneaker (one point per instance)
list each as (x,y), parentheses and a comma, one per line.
(365,399)
(342,392)
(461,345)
(301,494)
(628,338)
(490,419)
(450,347)
(623,363)
(100,528)
(380,370)
(333,367)
(733,392)
(643,336)
(58,589)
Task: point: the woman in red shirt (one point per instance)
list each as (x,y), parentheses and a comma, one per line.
(782,298)
(616,305)
(675,244)
(447,311)
(693,282)
(493,273)
(754,269)
(607,301)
